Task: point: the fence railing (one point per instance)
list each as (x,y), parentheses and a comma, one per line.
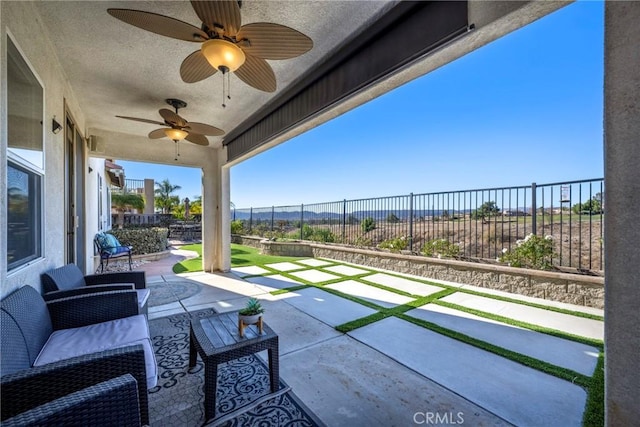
(482,222)
(130,186)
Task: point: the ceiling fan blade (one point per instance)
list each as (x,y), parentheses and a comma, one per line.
(158,133)
(258,73)
(195,68)
(160,24)
(273,41)
(196,138)
(225,14)
(171,117)
(136,119)
(203,129)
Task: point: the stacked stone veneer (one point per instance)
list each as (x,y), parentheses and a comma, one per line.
(562,287)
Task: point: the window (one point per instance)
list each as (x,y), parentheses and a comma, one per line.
(23,216)
(25,160)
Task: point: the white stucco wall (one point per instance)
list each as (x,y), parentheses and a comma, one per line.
(22,21)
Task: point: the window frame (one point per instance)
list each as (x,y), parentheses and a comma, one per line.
(14,160)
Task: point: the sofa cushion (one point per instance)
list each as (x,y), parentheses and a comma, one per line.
(68,343)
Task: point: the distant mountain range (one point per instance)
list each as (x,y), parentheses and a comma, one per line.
(379,215)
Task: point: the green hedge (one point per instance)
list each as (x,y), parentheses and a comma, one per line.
(143,240)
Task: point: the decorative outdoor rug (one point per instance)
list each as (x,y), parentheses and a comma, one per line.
(243,395)
(168,292)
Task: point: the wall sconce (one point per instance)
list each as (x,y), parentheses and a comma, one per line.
(55,126)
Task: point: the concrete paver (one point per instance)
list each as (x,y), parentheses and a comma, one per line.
(249,271)
(346,270)
(284,266)
(550,319)
(516,393)
(314,276)
(375,295)
(560,352)
(546,302)
(314,262)
(273,282)
(326,307)
(406,285)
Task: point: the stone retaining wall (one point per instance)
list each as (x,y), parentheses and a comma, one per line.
(563,287)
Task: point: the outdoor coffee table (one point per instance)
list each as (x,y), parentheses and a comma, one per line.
(217,340)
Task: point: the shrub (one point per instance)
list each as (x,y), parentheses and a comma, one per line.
(394,245)
(237,227)
(143,240)
(323,235)
(368,224)
(362,241)
(441,248)
(532,252)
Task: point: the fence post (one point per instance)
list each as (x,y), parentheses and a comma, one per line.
(272,211)
(301,220)
(411,222)
(534,214)
(344,219)
(250,219)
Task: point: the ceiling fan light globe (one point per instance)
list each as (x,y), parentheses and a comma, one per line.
(221,53)
(176,134)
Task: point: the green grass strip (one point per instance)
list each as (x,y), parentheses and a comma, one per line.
(557,371)
(554,332)
(387,312)
(594,410)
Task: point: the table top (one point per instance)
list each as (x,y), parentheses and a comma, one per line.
(221,332)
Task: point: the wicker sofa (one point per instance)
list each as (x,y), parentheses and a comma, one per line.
(53,349)
(68,281)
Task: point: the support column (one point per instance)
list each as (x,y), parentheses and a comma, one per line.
(622,201)
(149,196)
(210,213)
(225,216)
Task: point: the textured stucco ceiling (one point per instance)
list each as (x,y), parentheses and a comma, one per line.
(117,69)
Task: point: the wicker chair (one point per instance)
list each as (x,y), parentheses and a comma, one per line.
(107,404)
(68,281)
(27,324)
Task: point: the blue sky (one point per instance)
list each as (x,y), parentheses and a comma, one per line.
(526,108)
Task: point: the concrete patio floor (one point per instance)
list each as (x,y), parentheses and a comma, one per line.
(393,372)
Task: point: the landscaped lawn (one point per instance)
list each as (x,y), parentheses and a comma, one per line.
(240,256)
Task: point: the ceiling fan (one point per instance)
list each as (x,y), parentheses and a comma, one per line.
(226,46)
(179,128)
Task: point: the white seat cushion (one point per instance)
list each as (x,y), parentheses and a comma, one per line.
(68,343)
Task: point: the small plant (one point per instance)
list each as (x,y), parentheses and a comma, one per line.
(441,248)
(395,245)
(323,235)
(532,252)
(252,308)
(368,224)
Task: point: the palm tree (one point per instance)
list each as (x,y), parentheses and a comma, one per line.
(123,201)
(164,199)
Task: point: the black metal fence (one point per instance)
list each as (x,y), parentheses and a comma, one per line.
(481,222)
